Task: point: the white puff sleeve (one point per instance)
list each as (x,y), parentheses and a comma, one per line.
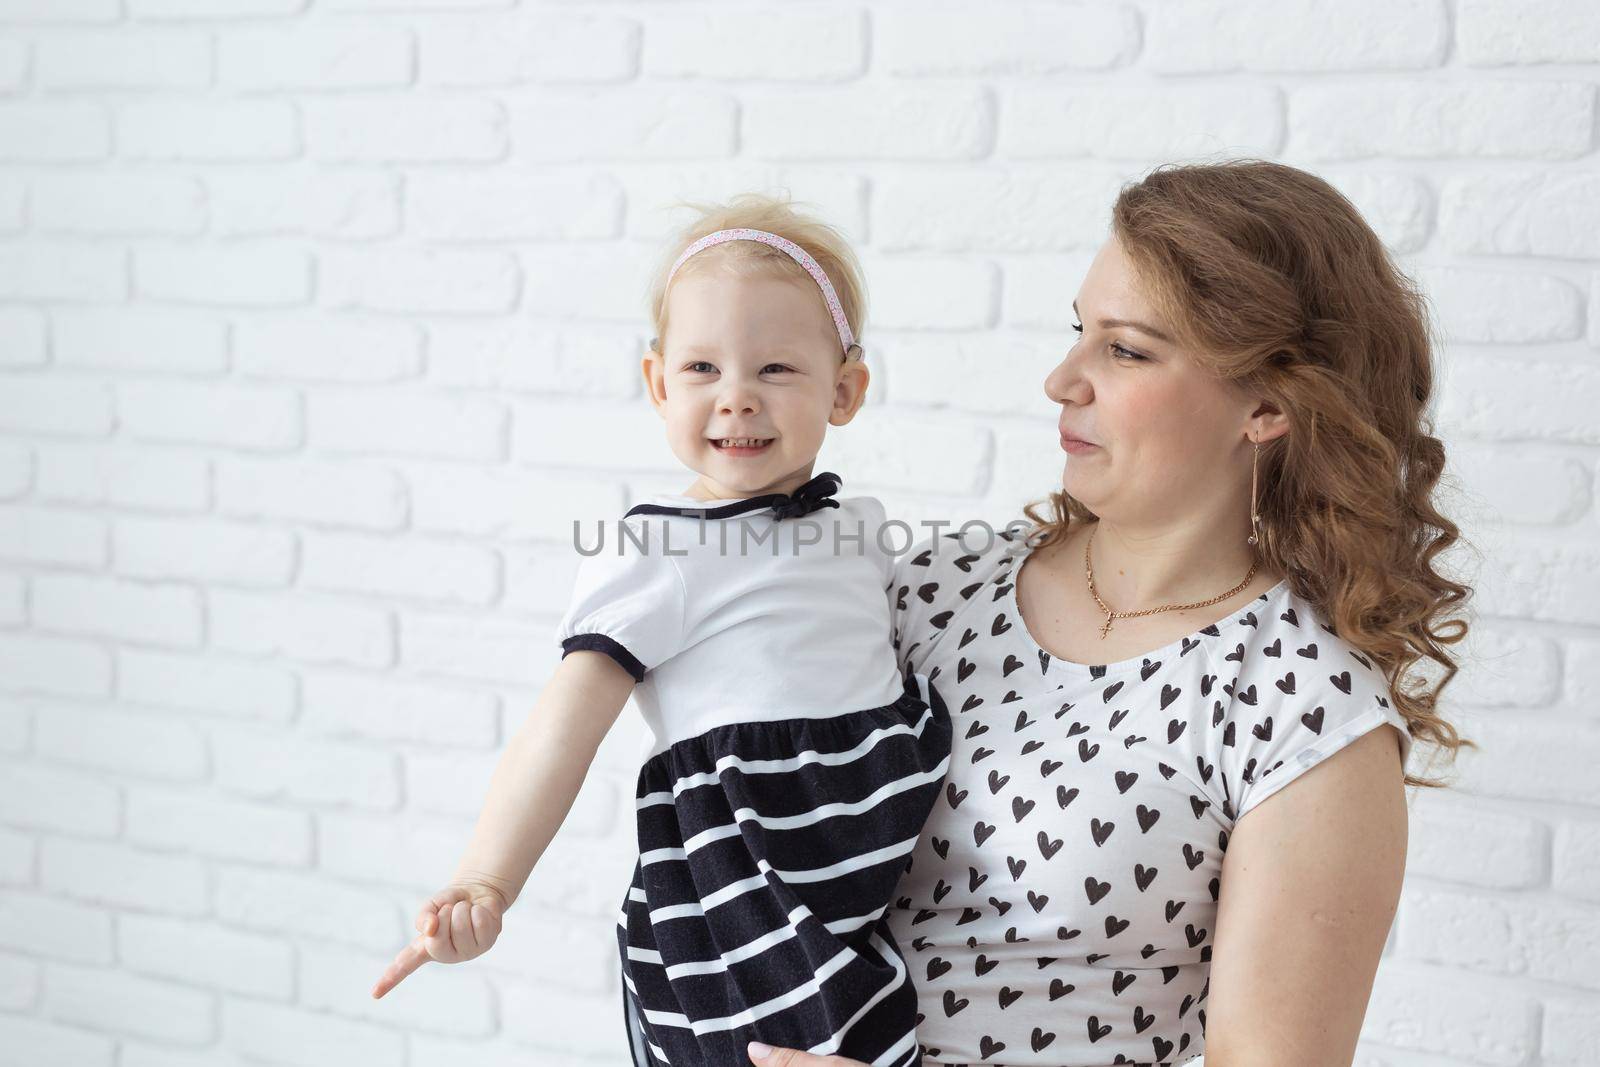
(1316,709)
(630,607)
(873,517)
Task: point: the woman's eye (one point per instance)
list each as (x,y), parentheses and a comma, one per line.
(1124,353)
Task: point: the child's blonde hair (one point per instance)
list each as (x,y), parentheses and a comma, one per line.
(758,211)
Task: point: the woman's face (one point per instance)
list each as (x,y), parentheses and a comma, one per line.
(750,357)
(1165,436)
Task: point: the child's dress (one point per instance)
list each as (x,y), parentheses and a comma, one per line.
(786,782)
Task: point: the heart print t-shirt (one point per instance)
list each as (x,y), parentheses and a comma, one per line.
(1059,908)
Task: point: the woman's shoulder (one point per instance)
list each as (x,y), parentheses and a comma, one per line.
(943,575)
(943,564)
(1298,692)
(1289,636)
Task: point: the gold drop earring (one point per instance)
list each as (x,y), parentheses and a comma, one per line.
(1255,519)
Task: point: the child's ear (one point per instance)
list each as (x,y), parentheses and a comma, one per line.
(653,367)
(849,391)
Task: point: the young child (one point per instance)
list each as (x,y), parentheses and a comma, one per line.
(790,767)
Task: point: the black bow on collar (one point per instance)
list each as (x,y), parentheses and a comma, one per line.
(812,496)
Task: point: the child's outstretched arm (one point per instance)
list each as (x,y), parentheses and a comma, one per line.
(530,793)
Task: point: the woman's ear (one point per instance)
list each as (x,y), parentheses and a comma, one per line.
(1267,423)
(849,391)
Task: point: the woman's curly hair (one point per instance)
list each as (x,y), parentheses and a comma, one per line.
(1275,282)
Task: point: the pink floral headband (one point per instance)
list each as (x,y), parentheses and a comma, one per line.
(799,255)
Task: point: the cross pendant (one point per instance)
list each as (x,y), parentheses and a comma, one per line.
(1106,628)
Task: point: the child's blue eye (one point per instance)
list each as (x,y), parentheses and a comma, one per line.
(701,366)
(1078,326)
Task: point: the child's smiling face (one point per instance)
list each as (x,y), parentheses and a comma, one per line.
(750,357)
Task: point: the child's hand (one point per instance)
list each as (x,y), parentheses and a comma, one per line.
(457,923)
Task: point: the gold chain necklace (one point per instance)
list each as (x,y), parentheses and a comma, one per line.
(1110,615)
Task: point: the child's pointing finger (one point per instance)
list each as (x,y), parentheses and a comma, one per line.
(409,959)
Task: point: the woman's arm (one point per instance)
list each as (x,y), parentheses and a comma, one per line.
(1310,884)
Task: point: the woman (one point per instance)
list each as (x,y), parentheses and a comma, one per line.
(1218,619)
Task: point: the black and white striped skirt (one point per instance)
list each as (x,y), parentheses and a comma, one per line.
(768,855)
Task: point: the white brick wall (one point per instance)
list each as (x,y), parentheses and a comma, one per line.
(318,318)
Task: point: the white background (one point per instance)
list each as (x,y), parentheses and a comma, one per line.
(320,322)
